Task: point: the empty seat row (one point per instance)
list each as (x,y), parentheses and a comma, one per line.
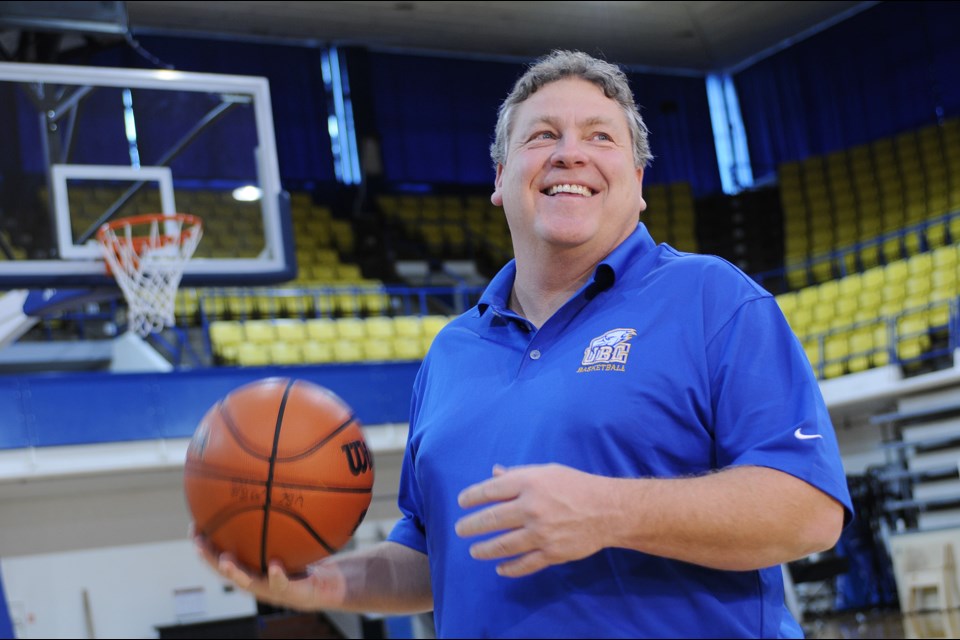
(862,320)
(323,339)
(853,195)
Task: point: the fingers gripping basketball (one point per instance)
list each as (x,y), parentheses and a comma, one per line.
(278,469)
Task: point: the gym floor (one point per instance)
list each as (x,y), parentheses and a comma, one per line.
(867,624)
(884,624)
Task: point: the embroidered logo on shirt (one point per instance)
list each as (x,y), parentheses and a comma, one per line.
(608,352)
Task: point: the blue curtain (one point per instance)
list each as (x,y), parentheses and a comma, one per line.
(677,113)
(880,72)
(436,117)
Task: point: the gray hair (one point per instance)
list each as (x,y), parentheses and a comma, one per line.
(564,64)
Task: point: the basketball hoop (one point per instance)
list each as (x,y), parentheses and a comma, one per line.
(147,254)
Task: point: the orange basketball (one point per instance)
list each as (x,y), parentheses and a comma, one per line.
(278,469)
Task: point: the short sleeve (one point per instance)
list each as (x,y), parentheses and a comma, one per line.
(767,403)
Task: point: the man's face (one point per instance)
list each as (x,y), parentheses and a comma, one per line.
(569,179)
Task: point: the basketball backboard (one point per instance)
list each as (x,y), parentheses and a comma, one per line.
(86,145)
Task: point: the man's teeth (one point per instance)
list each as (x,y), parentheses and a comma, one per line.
(578,189)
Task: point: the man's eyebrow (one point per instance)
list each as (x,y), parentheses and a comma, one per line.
(595,120)
(553,121)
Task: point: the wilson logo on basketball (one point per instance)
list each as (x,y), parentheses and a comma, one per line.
(358,457)
(608,352)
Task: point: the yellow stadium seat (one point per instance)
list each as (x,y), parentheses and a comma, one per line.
(321,329)
(787,303)
(892,249)
(945,257)
(347,351)
(291,331)
(317,352)
(822,270)
(844,310)
(823,313)
(250,354)
(351,328)
(849,286)
(408,326)
(408,348)
(322,273)
(861,348)
(918,286)
(348,273)
(869,256)
(259,331)
(893,294)
(378,349)
(319,305)
(240,306)
(285,353)
(895,272)
(808,297)
(186,305)
(375,302)
(873,278)
(870,300)
(347,303)
(913,337)
(380,327)
(225,333)
(920,264)
(938,314)
(944,279)
(828,291)
(800,320)
(936,233)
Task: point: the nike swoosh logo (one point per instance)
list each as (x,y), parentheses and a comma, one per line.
(799,435)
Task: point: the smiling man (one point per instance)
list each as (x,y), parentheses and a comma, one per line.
(617,440)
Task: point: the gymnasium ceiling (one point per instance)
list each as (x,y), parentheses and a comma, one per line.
(675,36)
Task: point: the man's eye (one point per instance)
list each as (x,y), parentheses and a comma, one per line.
(544,135)
(602,136)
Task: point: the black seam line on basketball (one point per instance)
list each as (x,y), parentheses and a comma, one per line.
(332,434)
(269,485)
(306,525)
(215,522)
(231,425)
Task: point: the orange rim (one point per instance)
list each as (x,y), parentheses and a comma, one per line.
(147,218)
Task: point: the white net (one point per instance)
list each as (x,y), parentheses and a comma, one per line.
(147,255)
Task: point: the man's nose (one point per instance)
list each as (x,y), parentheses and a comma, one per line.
(568,152)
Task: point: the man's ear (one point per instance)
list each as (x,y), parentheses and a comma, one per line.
(497,197)
(642,203)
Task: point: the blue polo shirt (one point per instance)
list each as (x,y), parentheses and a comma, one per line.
(666,364)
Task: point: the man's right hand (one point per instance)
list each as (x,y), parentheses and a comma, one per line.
(324,586)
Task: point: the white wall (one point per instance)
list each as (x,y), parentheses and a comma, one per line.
(116,592)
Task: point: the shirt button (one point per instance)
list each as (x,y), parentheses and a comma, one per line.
(535,354)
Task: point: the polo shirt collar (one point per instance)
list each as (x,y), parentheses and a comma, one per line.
(638,244)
